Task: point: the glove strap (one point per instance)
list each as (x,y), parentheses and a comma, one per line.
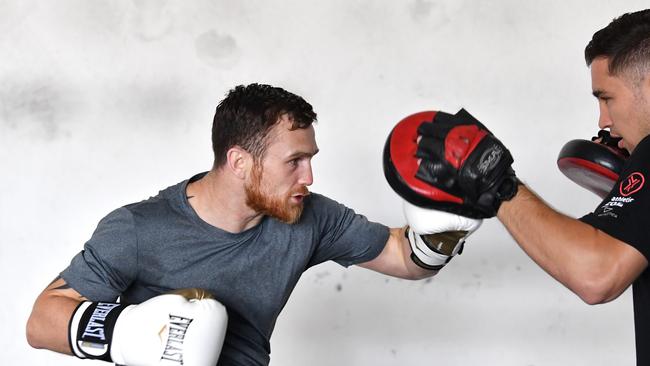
(90,330)
(508,189)
(433,255)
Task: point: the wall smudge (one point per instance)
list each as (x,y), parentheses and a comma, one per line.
(217,50)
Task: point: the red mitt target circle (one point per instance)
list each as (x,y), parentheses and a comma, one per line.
(401,164)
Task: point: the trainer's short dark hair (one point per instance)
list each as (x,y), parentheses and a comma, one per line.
(248,112)
(625,42)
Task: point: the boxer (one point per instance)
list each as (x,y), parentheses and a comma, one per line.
(245,231)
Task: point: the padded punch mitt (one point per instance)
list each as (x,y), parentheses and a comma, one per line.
(401,166)
(448,162)
(593,165)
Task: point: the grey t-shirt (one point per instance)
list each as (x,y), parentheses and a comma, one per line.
(148,248)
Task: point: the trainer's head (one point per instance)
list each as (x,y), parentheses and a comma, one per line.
(247,114)
(619,58)
(625,42)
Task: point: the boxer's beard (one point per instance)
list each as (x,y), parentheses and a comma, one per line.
(278,206)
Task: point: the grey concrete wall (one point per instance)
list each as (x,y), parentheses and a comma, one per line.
(103,103)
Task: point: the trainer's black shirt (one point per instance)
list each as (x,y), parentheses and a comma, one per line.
(625,215)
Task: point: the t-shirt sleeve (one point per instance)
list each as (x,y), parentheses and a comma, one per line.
(623,214)
(345,237)
(108,263)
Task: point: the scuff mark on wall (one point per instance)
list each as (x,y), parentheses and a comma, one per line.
(37,106)
(217,50)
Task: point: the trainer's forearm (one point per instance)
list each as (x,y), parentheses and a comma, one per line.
(566,248)
(47,326)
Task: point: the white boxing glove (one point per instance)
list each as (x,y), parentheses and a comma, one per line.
(182,328)
(436,236)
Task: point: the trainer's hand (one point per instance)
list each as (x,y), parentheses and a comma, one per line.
(462,157)
(436,236)
(449,162)
(183,328)
(594,165)
(605,138)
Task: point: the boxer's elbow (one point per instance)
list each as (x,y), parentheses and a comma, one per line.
(47,326)
(34,332)
(42,333)
(39,321)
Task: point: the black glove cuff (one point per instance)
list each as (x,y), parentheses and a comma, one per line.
(91,332)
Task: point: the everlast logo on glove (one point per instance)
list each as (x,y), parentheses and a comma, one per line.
(174,347)
(186,327)
(96,329)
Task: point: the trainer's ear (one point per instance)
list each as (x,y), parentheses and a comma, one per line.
(239,161)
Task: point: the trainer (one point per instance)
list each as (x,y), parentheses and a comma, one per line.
(601,254)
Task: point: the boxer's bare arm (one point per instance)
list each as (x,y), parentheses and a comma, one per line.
(47,326)
(594,265)
(395,260)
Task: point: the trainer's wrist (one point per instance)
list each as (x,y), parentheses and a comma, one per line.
(522,192)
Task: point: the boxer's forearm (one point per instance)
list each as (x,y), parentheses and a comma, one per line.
(395,259)
(47,326)
(414,271)
(584,259)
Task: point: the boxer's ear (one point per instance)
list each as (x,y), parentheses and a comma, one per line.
(239,161)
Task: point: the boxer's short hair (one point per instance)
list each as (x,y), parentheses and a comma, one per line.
(247,114)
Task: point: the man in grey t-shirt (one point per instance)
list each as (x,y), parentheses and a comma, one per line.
(244,231)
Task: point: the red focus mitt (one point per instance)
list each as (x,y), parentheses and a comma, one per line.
(448,162)
(593,165)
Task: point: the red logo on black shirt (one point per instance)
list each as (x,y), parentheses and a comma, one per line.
(631,184)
